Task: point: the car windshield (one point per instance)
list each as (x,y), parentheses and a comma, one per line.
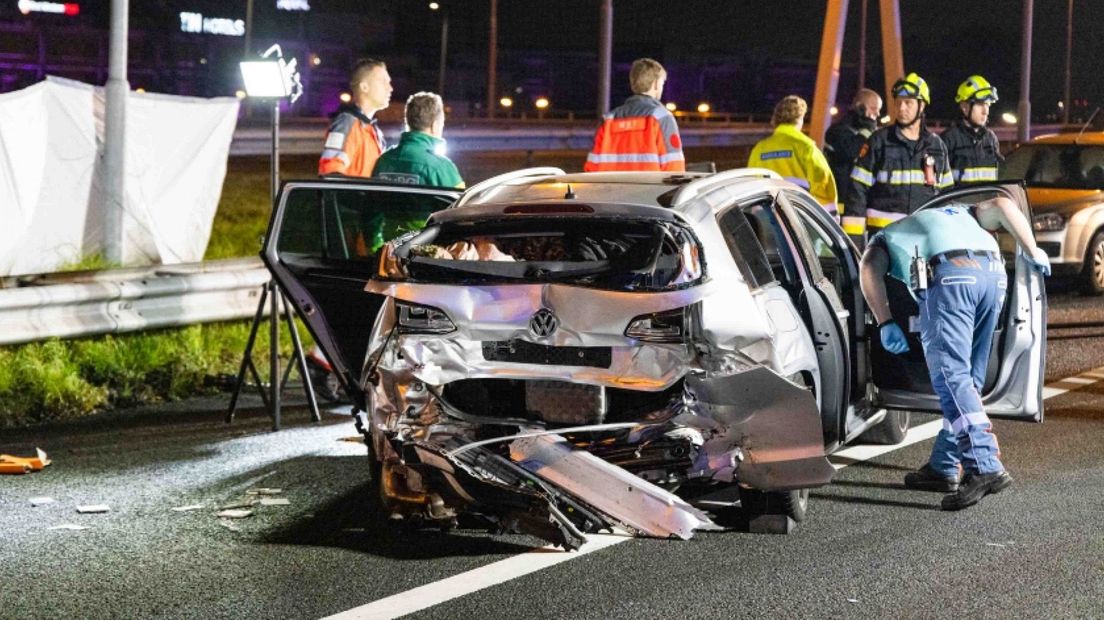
(636,255)
(1066,166)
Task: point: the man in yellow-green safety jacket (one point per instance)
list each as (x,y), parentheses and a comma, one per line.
(794,155)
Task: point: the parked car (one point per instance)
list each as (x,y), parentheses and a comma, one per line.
(1064,174)
(568,353)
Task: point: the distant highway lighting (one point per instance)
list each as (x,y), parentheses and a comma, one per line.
(316,60)
(240,94)
(671,106)
(506,102)
(885,120)
(345,97)
(1009,118)
(834,110)
(139,90)
(433,6)
(1061,104)
(704,108)
(541,103)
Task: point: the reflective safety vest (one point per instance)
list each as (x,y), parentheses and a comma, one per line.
(974,153)
(353,144)
(892,177)
(639,135)
(796,157)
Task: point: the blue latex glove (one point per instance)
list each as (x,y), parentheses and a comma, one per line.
(1040,261)
(893,338)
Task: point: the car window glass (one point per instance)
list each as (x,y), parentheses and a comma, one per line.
(350,224)
(1069,166)
(756,242)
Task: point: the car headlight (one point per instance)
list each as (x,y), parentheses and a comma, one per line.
(419,319)
(1048,222)
(667,326)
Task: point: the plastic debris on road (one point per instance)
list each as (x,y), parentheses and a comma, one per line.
(41,501)
(22,465)
(264,491)
(275,501)
(93,508)
(237,513)
(243,503)
(189,507)
(68,526)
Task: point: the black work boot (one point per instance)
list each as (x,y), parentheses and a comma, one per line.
(974,487)
(927,479)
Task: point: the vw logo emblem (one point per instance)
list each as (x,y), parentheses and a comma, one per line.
(543,323)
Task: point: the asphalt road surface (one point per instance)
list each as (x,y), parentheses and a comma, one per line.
(869,548)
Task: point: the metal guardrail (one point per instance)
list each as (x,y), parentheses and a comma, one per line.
(127,300)
(304,136)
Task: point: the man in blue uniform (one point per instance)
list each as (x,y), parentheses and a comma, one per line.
(959,310)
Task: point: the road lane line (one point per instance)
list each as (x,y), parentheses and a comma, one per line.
(474,580)
(508,569)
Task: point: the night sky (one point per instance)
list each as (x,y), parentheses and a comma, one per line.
(944,40)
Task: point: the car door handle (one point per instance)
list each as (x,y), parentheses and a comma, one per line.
(843,314)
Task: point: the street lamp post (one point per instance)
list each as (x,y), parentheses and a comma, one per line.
(1024,129)
(435,6)
(114,169)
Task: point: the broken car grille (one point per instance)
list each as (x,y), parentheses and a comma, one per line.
(522,352)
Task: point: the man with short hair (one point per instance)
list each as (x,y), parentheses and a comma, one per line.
(973,147)
(900,167)
(844,139)
(641,134)
(354,141)
(794,155)
(419,158)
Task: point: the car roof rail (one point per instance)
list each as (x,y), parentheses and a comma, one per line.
(698,187)
(495,181)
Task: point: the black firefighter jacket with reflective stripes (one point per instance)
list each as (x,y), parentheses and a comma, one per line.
(974,152)
(892,177)
(842,143)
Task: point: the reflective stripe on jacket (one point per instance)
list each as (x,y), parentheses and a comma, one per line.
(418,160)
(889,180)
(794,155)
(639,135)
(353,144)
(974,153)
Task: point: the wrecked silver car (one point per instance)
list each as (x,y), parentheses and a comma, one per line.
(569,353)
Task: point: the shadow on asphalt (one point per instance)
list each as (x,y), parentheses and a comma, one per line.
(353,519)
(869,485)
(851,499)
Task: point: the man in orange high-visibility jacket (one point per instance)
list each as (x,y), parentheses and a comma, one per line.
(641,134)
(354,142)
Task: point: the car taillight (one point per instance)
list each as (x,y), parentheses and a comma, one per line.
(667,326)
(418,319)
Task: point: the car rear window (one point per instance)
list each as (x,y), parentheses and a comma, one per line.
(1068,166)
(617,254)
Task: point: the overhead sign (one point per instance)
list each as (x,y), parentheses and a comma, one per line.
(293,5)
(196,22)
(27,7)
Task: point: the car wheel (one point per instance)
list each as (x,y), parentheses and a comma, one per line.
(793,504)
(1092,274)
(890,431)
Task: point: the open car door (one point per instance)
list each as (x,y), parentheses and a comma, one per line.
(323,246)
(1014,380)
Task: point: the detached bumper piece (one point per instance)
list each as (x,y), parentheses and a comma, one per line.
(549,490)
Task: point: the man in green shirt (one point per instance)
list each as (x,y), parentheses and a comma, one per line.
(419,157)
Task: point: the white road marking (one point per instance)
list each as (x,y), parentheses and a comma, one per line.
(483,577)
(516,566)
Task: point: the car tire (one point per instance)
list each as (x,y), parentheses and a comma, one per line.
(890,431)
(793,504)
(1092,274)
